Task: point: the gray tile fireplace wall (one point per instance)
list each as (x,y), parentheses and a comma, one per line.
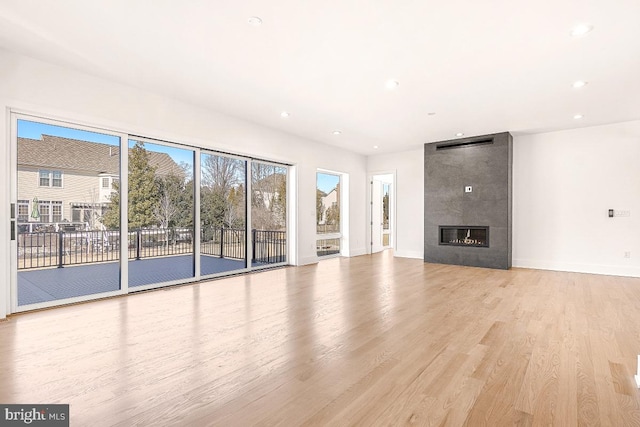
(483,163)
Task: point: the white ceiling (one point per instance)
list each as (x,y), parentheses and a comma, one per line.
(481,66)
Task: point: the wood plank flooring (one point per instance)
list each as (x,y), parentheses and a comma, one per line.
(371,340)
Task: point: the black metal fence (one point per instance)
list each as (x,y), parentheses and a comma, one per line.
(223,242)
(57,249)
(269,247)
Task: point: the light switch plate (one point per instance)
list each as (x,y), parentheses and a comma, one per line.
(468,189)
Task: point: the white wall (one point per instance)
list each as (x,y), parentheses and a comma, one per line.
(563,185)
(33,86)
(409,190)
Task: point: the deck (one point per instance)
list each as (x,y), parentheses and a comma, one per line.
(50,284)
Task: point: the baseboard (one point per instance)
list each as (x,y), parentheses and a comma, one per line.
(307,260)
(358,252)
(408,254)
(609,270)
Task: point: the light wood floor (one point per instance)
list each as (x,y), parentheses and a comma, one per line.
(362,341)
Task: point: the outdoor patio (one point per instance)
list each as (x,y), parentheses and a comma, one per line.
(50,284)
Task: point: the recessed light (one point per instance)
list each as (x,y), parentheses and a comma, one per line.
(581,30)
(392,84)
(578,116)
(337,132)
(459,134)
(580,83)
(255,21)
(375,147)
(284,114)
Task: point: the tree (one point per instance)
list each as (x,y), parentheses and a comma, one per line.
(222,196)
(111,218)
(319,206)
(269,196)
(143,188)
(333,216)
(175,202)
(143,192)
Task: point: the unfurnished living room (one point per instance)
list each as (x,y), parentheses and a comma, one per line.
(320,213)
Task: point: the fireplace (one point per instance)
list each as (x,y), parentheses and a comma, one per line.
(464,235)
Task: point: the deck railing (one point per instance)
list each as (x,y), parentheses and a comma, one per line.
(57,249)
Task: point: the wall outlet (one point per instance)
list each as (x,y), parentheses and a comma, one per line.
(468,189)
(627,254)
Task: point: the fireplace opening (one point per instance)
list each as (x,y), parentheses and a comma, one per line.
(463,235)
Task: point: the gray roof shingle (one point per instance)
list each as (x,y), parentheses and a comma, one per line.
(55,152)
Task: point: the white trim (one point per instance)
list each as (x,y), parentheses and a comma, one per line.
(393,241)
(133,289)
(123,178)
(248,229)
(224,274)
(358,252)
(11,290)
(609,270)
(197,227)
(343,234)
(66,301)
(292,216)
(408,254)
(308,260)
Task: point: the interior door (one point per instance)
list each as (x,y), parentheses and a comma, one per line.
(376,215)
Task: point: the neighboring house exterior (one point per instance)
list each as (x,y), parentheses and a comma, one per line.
(270,211)
(71,180)
(328,201)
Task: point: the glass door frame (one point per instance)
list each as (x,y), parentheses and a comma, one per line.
(125,137)
(288,201)
(16,115)
(196,211)
(247,175)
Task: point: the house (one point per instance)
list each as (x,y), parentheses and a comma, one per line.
(69,188)
(329,201)
(357,88)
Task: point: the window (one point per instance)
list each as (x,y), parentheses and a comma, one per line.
(56,211)
(48,178)
(50,211)
(23,210)
(44,178)
(328,212)
(44,208)
(105,182)
(56,180)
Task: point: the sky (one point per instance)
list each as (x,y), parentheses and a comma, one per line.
(327,182)
(34,130)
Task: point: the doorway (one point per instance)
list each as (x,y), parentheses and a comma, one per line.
(382,211)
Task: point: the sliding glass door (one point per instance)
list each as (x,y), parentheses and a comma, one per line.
(268,214)
(161,214)
(82,228)
(66,180)
(223,214)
